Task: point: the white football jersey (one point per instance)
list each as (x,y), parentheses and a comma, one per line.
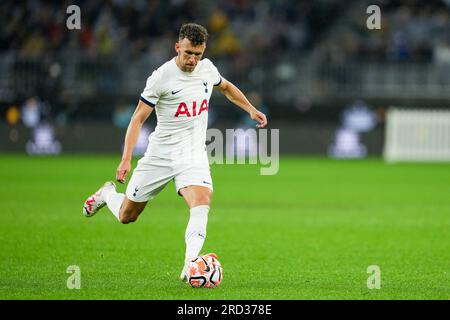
(181,102)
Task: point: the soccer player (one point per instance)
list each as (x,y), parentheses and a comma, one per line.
(179,91)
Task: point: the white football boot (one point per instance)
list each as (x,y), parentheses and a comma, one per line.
(184,273)
(96,201)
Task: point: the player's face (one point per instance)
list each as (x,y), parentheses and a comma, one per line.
(188,55)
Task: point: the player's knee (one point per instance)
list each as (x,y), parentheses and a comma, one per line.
(128,216)
(128,219)
(202,199)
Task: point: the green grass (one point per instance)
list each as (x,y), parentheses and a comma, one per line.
(309,232)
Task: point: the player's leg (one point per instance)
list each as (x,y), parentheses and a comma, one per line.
(122,208)
(198,198)
(196,195)
(194,184)
(147,180)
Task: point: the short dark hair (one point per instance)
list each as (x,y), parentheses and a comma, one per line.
(195,33)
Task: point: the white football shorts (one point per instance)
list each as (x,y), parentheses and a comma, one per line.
(152,174)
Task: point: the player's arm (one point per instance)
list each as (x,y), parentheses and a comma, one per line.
(141,114)
(238,98)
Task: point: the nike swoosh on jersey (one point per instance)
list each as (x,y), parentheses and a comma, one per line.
(175,92)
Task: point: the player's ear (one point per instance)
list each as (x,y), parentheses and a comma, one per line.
(177,47)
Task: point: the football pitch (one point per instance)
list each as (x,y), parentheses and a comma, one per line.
(309,232)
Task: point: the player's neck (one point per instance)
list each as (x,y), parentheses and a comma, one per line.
(177,62)
(179,66)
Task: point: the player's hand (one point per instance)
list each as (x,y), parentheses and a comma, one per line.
(123,170)
(259,117)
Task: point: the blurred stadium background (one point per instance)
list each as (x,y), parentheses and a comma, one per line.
(306,63)
(323,78)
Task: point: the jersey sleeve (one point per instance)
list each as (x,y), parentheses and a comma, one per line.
(217,78)
(151,93)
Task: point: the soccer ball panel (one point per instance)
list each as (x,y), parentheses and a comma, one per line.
(197,282)
(205,272)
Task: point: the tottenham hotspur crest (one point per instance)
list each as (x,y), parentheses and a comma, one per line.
(206,86)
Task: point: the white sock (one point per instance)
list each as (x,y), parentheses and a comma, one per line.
(196,231)
(113,200)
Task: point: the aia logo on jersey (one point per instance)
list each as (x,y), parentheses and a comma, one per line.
(184,110)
